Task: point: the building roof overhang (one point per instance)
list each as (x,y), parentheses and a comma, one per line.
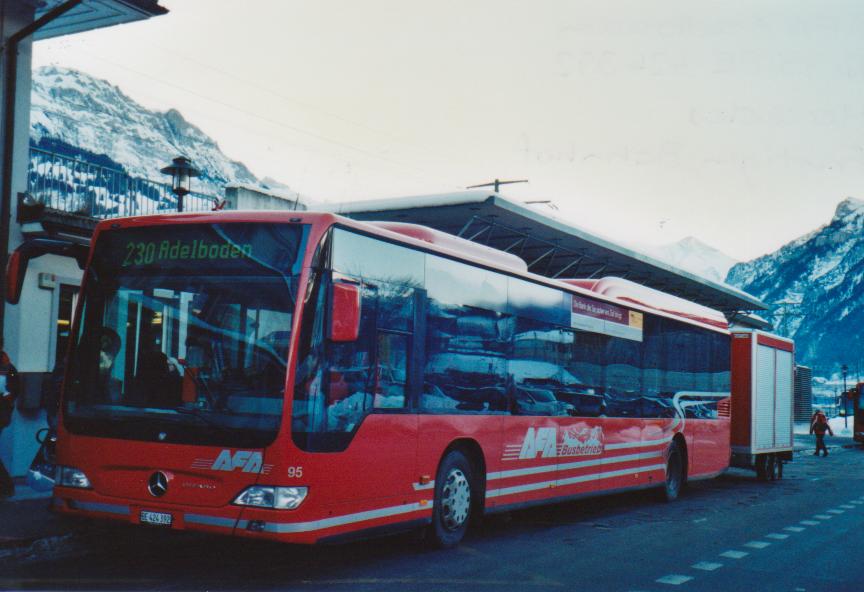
(551,246)
(94,14)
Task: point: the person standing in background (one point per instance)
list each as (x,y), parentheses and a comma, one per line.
(819,426)
(8,392)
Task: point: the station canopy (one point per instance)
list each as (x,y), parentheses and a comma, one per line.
(549,245)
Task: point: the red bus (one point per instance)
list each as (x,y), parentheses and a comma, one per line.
(306,377)
(858,413)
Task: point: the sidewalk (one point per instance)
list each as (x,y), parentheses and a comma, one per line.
(25,519)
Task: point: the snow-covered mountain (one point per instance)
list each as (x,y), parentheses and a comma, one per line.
(693,255)
(814,285)
(82,116)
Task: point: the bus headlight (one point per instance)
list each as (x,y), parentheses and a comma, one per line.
(267,496)
(71,477)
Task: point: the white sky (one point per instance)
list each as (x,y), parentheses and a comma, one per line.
(738,122)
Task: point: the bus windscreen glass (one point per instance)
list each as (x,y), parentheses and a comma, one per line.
(185,334)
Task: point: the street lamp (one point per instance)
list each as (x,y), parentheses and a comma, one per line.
(181,171)
(845,369)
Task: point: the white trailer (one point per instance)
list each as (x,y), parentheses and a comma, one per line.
(763,379)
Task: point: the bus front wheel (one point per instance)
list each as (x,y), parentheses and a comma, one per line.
(452,506)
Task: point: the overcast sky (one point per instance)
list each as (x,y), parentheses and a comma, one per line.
(740,123)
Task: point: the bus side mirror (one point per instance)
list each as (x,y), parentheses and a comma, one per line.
(16,268)
(344,312)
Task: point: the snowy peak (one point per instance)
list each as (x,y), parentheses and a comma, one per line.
(815,285)
(848,207)
(693,255)
(92,118)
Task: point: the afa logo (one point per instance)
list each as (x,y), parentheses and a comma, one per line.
(575,441)
(542,442)
(250,462)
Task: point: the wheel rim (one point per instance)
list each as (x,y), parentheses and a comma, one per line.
(455,500)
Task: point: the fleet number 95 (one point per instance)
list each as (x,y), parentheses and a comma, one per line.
(295,471)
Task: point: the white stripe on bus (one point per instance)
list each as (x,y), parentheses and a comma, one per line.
(570,481)
(325,523)
(572,465)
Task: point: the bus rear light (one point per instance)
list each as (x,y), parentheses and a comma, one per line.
(71,477)
(267,496)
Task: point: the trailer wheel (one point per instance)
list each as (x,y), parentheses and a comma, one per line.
(674,473)
(779,469)
(452,507)
(771,467)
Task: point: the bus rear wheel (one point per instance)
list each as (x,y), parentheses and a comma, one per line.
(451,511)
(674,473)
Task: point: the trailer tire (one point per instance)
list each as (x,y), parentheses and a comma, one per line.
(451,511)
(771,467)
(674,482)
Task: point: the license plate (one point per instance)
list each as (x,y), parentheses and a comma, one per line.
(158,518)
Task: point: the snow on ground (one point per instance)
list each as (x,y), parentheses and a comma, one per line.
(836,423)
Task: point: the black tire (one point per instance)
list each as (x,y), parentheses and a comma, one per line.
(761,468)
(779,469)
(771,467)
(675,474)
(451,511)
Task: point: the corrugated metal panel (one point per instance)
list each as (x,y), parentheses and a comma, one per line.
(783,402)
(763,439)
(803,393)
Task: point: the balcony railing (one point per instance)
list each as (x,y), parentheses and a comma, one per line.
(73,186)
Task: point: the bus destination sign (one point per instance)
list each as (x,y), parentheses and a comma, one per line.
(606,318)
(149,252)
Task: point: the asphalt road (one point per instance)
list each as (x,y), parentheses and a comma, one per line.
(803,533)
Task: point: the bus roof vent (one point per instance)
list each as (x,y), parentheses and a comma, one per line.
(627,291)
(456,244)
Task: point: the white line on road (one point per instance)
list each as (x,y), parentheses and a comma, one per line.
(698,520)
(674,579)
(794,528)
(847,506)
(734,554)
(856,502)
(822,517)
(756,544)
(836,512)
(777,536)
(707,566)
(809,523)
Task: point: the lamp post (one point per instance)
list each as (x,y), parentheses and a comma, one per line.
(181,171)
(845,369)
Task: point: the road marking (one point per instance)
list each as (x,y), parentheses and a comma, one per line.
(734,554)
(823,517)
(809,523)
(698,520)
(816,479)
(836,512)
(756,544)
(856,502)
(794,528)
(777,536)
(674,579)
(847,506)
(706,566)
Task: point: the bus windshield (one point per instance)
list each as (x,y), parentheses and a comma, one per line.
(185,334)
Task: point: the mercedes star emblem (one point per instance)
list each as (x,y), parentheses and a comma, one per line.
(158,484)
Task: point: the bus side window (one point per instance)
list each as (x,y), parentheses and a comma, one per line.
(391,371)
